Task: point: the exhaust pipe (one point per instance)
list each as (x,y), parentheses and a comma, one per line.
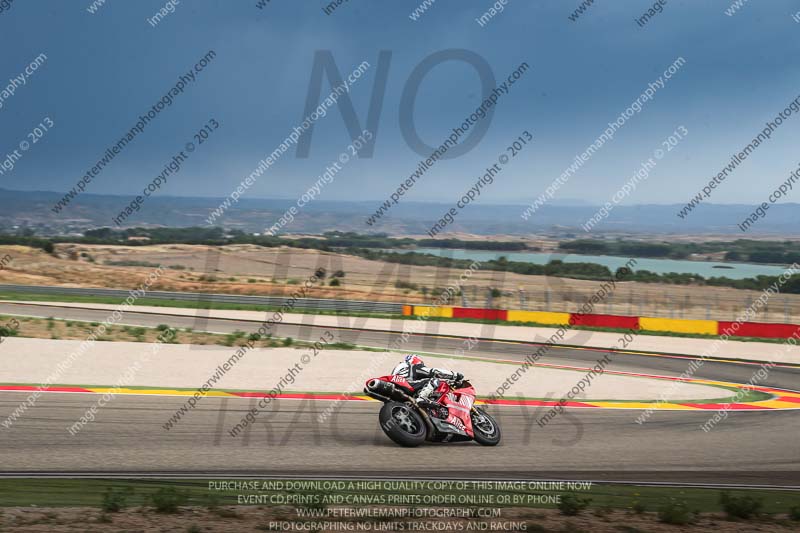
(384,388)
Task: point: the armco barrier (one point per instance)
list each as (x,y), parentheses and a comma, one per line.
(539,317)
(757,329)
(605,321)
(677,325)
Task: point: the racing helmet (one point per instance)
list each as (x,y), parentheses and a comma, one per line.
(414,359)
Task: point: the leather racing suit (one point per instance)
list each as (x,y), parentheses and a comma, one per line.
(422,378)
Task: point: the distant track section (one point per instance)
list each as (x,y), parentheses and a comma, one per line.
(202,297)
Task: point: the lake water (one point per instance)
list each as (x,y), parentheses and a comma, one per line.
(659,266)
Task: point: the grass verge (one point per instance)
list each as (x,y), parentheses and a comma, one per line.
(61,492)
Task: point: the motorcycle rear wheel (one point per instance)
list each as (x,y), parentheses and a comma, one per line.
(485,428)
(402,424)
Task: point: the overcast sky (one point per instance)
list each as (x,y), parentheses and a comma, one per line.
(103,70)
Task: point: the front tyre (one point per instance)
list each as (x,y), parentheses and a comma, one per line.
(402,424)
(485,428)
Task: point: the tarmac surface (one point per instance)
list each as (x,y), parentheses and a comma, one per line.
(128,436)
(261,369)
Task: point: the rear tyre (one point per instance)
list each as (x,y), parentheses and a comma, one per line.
(402,424)
(485,428)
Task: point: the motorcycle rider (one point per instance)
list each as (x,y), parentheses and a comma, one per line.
(423,379)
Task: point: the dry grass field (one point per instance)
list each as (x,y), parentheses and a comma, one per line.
(253,270)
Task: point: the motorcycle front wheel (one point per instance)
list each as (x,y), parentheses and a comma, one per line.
(402,424)
(485,428)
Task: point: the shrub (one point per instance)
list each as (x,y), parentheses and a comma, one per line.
(169,336)
(744,506)
(194,528)
(127,263)
(794,512)
(228,340)
(638,507)
(6,331)
(162,327)
(212,501)
(341,346)
(334,282)
(288,341)
(168,500)
(675,512)
(253,337)
(571,504)
(113,501)
(338,274)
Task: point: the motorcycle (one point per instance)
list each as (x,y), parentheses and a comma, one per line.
(453,417)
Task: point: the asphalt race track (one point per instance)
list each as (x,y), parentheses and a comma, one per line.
(748,448)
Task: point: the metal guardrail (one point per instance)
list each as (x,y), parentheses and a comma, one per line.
(266,301)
